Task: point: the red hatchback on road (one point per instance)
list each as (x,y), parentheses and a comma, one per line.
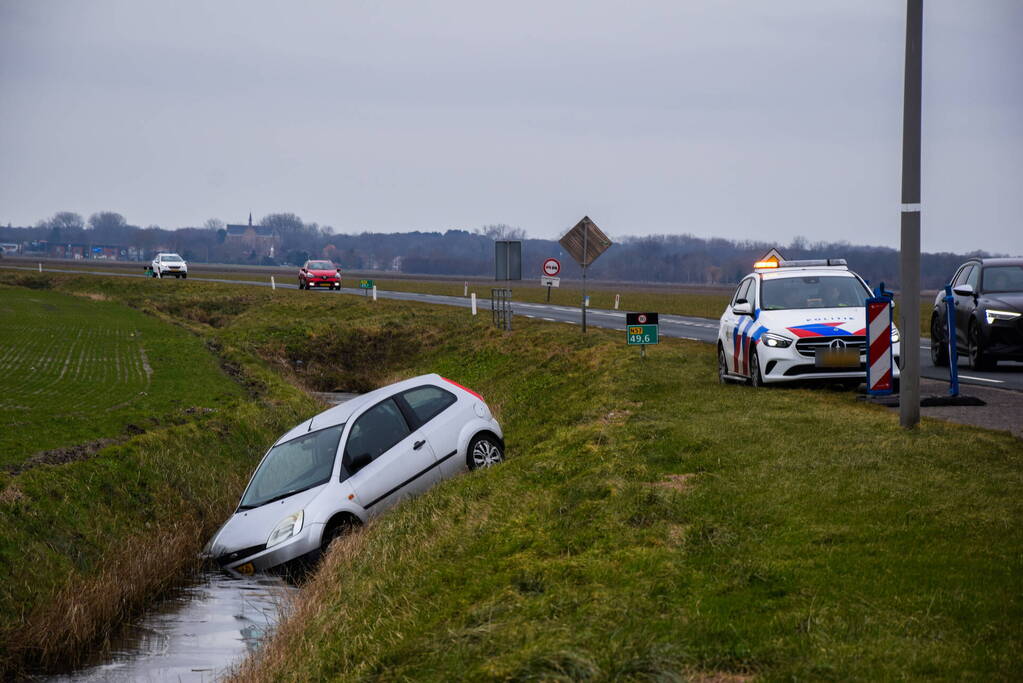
(319,274)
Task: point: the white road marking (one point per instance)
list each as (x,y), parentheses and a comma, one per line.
(550,320)
(983,379)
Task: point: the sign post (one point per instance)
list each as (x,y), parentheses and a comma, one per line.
(641,329)
(585,243)
(367,285)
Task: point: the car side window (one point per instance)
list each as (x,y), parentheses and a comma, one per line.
(963,274)
(973,279)
(743,292)
(738,290)
(428,402)
(376,431)
(751,292)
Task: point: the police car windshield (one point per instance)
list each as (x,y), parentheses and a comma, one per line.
(812,292)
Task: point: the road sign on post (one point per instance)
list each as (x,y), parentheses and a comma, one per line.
(367,285)
(585,243)
(641,329)
(551,267)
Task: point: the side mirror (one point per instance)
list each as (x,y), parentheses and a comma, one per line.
(360,461)
(964,290)
(742,307)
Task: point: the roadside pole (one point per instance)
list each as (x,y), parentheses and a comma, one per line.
(909,318)
(474,303)
(273,285)
(374,292)
(586,231)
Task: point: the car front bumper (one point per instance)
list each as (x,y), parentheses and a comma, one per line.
(789,365)
(305,542)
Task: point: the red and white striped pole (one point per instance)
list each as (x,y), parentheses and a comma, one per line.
(879,346)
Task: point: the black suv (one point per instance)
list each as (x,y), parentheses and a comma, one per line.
(989,313)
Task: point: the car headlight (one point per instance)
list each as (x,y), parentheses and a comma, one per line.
(895,335)
(288,527)
(776,341)
(992,315)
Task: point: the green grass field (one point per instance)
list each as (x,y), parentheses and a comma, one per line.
(74,369)
(649,523)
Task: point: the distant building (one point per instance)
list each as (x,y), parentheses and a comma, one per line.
(253,241)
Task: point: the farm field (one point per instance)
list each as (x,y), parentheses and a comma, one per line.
(701,301)
(75,369)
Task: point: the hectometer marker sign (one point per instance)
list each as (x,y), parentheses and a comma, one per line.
(641,328)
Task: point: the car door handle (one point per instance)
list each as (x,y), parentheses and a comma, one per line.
(418,444)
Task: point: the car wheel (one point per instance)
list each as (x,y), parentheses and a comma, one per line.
(722,366)
(336,530)
(484,451)
(979,359)
(755,378)
(939,343)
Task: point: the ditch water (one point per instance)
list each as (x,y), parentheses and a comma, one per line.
(198,633)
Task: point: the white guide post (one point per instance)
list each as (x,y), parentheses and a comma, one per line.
(474,303)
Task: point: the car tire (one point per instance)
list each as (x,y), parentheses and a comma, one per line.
(756,380)
(484,451)
(939,344)
(722,366)
(979,358)
(335,530)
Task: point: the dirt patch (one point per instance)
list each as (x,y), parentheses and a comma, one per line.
(95,296)
(61,456)
(677,482)
(10,495)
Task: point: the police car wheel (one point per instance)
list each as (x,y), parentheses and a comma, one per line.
(755,378)
(722,367)
(939,346)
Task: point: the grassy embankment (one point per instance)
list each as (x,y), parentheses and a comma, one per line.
(651,522)
(123,446)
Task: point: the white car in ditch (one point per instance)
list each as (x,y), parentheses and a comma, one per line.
(352,462)
(798,320)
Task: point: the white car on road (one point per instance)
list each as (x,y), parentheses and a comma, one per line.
(352,462)
(797,320)
(167,264)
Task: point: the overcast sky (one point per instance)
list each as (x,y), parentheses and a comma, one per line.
(749,120)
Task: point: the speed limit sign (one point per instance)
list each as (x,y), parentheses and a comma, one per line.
(551,267)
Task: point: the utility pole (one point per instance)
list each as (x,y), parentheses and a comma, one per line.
(586,231)
(909,272)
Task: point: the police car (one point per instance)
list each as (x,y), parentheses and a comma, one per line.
(797,320)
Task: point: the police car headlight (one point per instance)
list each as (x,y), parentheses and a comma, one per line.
(776,341)
(895,335)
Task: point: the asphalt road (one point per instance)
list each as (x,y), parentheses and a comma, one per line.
(1008,375)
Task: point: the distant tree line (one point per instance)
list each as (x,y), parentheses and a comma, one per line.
(685,259)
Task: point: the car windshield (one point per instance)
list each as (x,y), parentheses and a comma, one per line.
(293,466)
(1002,279)
(321,265)
(171,257)
(812,292)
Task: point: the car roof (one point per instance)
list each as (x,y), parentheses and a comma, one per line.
(783,273)
(341,413)
(998,261)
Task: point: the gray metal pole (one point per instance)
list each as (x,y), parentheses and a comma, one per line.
(909,318)
(586,232)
